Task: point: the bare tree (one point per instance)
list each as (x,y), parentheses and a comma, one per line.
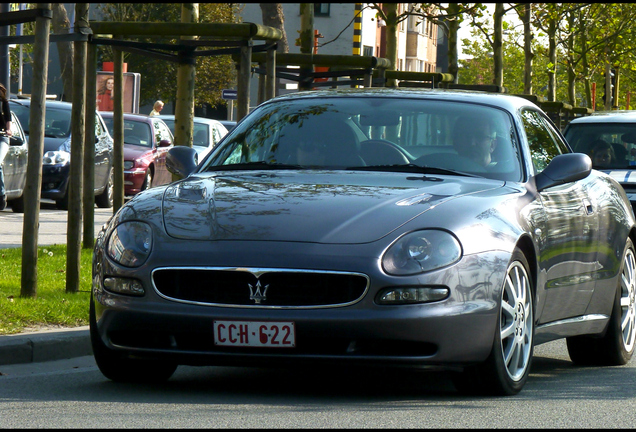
(61,24)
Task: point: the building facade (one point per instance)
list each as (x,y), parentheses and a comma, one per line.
(355,29)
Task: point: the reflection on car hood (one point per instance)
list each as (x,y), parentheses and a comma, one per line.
(346,207)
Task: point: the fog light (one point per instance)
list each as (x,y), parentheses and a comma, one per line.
(124,286)
(409,295)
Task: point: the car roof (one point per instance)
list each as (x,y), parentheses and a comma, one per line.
(608,117)
(501,100)
(128,116)
(196,119)
(48,103)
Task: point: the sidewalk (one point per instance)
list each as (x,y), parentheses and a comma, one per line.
(46,345)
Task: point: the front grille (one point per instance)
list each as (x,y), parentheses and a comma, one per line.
(258,287)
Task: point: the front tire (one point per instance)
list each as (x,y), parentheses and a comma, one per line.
(147,184)
(616,346)
(116,367)
(506,369)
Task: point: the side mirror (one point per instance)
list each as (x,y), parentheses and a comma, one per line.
(563,169)
(15,141)
(164,143)
(181,161)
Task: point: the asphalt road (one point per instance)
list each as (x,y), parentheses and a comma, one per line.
(53,225)
(74,394)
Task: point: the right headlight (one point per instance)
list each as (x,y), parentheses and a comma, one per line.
(130,243)
(57,157)
(128,164)
(421,251)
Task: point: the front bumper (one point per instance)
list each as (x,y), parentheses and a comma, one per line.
(450,333)
(55,181)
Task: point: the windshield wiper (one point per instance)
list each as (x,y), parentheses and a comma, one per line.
(412,168)
(252,166)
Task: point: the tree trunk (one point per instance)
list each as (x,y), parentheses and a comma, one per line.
(570,62)
(552,58)
(75,188)
(498,45)
(585,64)
(453,28)
(33,187)
(527,49)
(306,42)
(273,17)
(61,24)
(391,39)
(186,75)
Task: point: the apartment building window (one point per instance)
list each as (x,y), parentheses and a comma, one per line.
(367,51)
(322,9)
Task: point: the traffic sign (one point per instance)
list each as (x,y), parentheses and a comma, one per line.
(229,94)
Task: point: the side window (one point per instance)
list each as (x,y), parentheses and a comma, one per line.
(163,133)
(99,128)
(544,144)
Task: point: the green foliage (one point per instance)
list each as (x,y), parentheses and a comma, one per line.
(159,77)
(53,305)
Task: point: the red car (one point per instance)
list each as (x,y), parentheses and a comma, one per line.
(146,143)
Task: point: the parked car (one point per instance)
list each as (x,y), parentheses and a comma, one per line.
(616,128)
(146,142)
(56,158)
(206,133)
(229,124)
(14,166)
(384,227)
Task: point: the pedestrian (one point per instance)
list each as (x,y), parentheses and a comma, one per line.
(156,109)
(105,95)
(5,134)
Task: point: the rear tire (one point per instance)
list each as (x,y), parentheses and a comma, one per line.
(506,369)
(117,367)
(17,205)
(616,346)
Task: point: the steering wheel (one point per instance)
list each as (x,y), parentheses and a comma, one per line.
(383,152)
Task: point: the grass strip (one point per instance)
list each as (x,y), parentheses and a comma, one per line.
(52,305)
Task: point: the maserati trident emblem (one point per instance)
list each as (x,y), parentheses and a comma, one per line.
(255,292)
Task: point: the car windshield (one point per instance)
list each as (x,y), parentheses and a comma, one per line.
(609,145)
(135,132)
(57,122)
(201,135)
(375,134)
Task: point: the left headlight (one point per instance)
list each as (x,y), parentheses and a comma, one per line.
(57,157)
(421,251)
(130,243)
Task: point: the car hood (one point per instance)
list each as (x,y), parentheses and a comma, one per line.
(337,207)
(132,151)
(52,144)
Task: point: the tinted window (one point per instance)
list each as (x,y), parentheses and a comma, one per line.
(376,132)
(621,136)
(543,142)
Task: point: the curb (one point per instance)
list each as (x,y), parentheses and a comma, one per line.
(45,346)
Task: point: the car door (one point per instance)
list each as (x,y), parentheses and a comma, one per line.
(571,229)
(161,132)
(15,163)
(103,153)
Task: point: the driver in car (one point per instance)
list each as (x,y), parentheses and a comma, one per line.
(475,138)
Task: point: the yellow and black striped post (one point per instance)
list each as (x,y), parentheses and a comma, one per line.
(357,29)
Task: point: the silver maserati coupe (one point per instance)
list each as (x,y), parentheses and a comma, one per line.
(375,227)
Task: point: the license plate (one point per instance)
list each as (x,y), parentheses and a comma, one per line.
(255,334)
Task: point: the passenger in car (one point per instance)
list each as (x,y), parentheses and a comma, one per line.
(474,137)
(602,154)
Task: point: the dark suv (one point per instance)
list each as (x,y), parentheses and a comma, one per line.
(57,156)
